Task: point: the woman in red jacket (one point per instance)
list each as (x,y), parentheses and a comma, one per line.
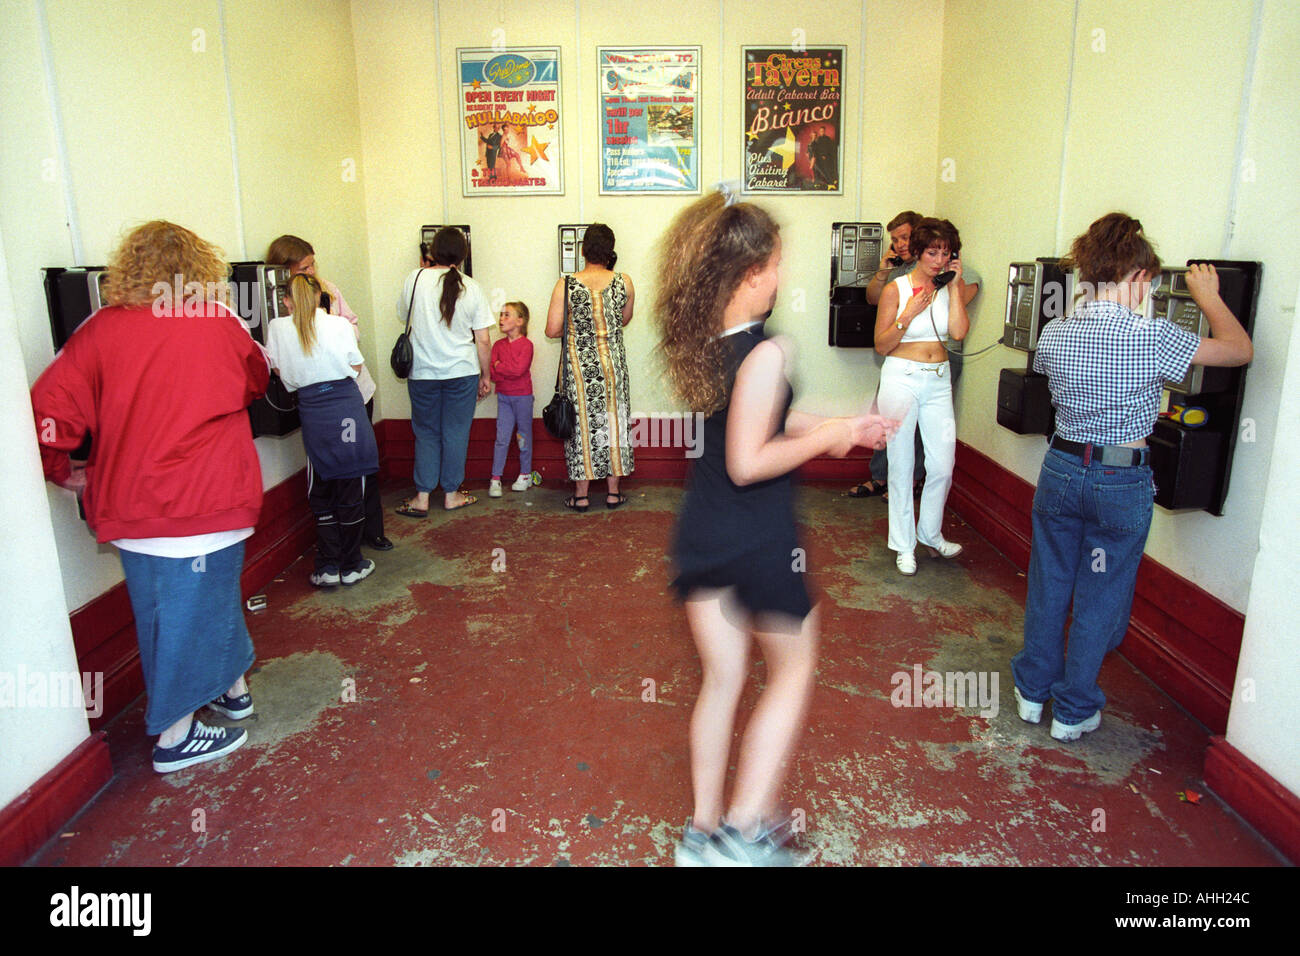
(161,379)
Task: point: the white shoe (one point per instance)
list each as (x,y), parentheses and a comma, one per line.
(906,562)
(522,483)
(1030,712)
(945,549)
(494,488)
(1067,732)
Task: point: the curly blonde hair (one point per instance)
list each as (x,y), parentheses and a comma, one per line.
(704,256)
(163,252)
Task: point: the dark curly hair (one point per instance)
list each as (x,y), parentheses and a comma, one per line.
(929,231)
(1112,247)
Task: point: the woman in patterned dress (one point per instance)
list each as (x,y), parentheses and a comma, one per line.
(600,304)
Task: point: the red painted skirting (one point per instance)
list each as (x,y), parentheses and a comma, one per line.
(397,446)
(38,813)
(1263,802)
(1183,638)
(103,630)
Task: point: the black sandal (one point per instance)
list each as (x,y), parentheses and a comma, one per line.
(868,489)
(620,500)
(571,503)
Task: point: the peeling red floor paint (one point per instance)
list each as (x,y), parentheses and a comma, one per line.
(538,715)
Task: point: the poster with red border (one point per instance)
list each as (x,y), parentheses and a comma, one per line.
(793,120)
(510,121)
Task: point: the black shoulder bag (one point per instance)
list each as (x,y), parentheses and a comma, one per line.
(560,417)
(403,356)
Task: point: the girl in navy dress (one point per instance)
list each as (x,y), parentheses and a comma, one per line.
(735,547)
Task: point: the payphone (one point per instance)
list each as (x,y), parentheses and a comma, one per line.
(428,232)
(1191,463)
(71,297)
(1037,292)
(571,236)
(257,293)
(856,248)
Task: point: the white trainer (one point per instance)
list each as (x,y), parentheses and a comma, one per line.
(1030,712)
(1069,732)
(494,488)
(522,483)
(906,562)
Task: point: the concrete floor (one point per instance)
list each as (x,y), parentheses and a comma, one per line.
(513,686)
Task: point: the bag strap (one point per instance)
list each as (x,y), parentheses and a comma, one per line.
(411,306)
(564,343)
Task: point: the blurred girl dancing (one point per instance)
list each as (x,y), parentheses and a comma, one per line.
(735,539)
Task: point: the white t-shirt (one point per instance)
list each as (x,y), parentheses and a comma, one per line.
(331,358)
(442,352)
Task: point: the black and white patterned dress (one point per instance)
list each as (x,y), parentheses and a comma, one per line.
(598,386)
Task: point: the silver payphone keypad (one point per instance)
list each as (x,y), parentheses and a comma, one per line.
(1170,299)
(571,236)
(857,247)
(1037,292)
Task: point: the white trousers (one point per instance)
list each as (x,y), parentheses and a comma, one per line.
(919,395)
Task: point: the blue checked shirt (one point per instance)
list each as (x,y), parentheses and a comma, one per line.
(1106,366)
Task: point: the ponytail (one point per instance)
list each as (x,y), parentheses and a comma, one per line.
(450,249)
(305,292)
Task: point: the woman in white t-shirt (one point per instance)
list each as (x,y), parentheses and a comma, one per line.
(450,319)
(316,355)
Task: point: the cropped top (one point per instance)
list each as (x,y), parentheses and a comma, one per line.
(920,329)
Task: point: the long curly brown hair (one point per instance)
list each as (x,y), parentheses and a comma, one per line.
(161,252)
(703,257)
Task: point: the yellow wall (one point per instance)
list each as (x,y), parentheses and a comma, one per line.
(1151,127)
(408,54)
(144,111)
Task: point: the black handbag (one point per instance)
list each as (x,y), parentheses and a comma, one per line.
(403,357)
(560,417)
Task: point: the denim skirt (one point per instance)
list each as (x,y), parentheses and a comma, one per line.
(189,622)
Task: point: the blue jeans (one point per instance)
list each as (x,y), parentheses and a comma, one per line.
(1090,528)
(442,410)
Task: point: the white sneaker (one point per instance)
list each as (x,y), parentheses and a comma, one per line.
(906,562)
(366,569)
(1067,732)
(522,483)
(945,549)
(1030,712)
(494,488)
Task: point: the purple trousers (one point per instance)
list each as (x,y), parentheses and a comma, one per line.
(514,414)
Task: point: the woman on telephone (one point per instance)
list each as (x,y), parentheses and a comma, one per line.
(917,312)
(1106,364)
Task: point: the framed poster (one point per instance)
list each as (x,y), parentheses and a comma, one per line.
(793,120)
(510,121)
(649,123)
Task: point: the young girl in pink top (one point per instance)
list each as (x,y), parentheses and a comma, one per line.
(512,359)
